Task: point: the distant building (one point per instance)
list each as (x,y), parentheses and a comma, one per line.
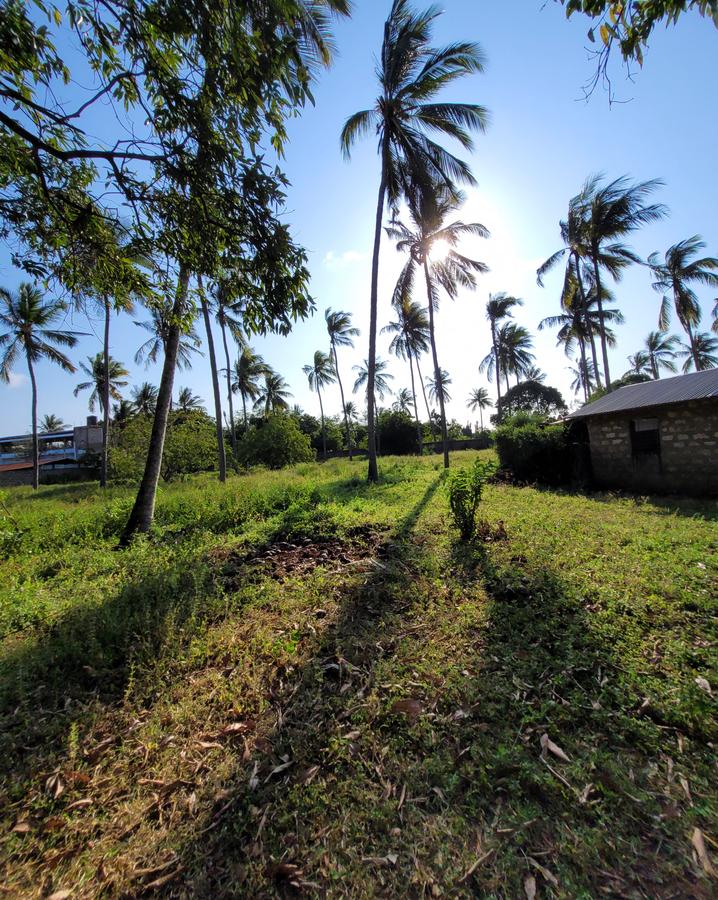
(658,436)
(59,451)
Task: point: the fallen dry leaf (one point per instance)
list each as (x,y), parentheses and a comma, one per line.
(308,775)
(54,786)
(544,872)
(80,804)
(548,745)
(60,895)
(410,708)
(22,827)
(530,887)
(700,847)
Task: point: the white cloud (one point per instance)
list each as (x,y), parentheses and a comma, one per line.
(336,261)
(17,380)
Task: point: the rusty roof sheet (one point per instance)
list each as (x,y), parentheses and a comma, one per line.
(695,386)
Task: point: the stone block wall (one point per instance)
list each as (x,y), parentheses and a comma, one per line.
(688,460)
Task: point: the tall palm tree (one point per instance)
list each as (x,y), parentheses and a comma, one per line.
(447,269)
(229,319)
(439,387)
(188,401)
(584,377)
(28,319)
(273,393)
(154,347)
(50,424)
(341,334)
(675,274)
(660,348)
(95,371)
(249,370)
(404,401)
(411,73)
(144,399)
(214,373)
(320,373)
(411,339)
(639,363)
(701,354)
(122,412)
(479,399)
(610,213)
(381,389)
(498,307)
(515,343)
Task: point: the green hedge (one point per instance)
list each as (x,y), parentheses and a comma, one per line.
(532,451)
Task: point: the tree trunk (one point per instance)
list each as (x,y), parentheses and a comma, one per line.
(694,349)
(215,384)
(602,326)
(244,412)
(143,511)
(498,370)
(341,392)
(324,430)
(416,408)
(588,324)
(437,371)
(232,432)
(35,448)
(481,416)
(654,366)
(373,472)
(584,367)
(105,395)
(426,402)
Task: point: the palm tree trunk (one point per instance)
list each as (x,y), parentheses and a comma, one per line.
(35,448)
(498,370)
(654,366)
(589,325)
(508,385)
(694,349)
(416,408)
(602,326)
(232,431)
(376,423)
(144,508)
(105,395)
(341,392)
(437,370)
(215,384)
(481,416)
(584,367)
(426,402)
(373,472)
(244,411)
(324,431)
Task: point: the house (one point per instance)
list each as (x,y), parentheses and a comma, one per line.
(59,452)
(657,436)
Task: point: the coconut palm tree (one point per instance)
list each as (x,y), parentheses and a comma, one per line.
(341,334)
(701,353)
(229,319)
(584,377)
(675,275)
(249,370)
(610,213)
(404,401)
(188,401)
(639,364)
(50,424)
(122,412)
(320,373)
(26,320)
(404,117)
(95,371)
(381,388)
(411,339)
(515,343)
(498,307)
(158,326)
(431,243)
(479,399)
(273,393)
(144,399)
(214,374)
(439,387)
(660,348)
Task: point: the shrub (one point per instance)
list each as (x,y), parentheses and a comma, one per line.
(465,487)
(531,397)
(277,442)
(533,451)
(397,433)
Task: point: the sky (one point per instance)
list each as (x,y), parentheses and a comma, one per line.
(544,139)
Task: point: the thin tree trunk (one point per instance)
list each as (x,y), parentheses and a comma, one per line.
(215,384)
(373,472)
(105,395)
(244,411)
(35,448)
(437,371)
(324,431)
(416,408)
(694,349)
(426,402)
(588,323)
(498,370)
(344,410)
(144,508)
(508,386)
(584,367)
(232,432)
(602,325)
(481,417)
(654,366)
(378,436)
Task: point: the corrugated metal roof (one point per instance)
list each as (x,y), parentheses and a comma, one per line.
(695,386)
(47,436)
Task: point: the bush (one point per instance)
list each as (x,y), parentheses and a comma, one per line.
(531,397)
(465,487)
(277,442)
(397,433)
(533,451)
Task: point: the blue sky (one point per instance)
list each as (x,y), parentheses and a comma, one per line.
(543,141)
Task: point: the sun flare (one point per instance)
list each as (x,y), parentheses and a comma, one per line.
(439,251)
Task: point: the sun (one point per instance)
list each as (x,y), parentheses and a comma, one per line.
(439,251)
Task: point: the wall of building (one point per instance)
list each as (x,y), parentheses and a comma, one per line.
(688,459)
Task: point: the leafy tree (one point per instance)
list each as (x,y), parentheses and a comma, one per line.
(249,369)
(273,394)
(514,345)
(701,354)
(439,387)
(639,363)
(95,371)
(479,399)
(122,413)
(396,432)
(188,401)
(28,320)
(404,401)
(144,399)
(51,423)
(533,397)
(583,378)
(411,73)
(498,307)
(277,442)
(341,334)
(449,269)
(660,349)
(675,274)
(320,374)
(159,327)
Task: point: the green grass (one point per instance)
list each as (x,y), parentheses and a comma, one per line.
(176,719)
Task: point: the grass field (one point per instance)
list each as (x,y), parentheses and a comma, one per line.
(302,684)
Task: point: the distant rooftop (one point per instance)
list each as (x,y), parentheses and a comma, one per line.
(695,386)
(42,436)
